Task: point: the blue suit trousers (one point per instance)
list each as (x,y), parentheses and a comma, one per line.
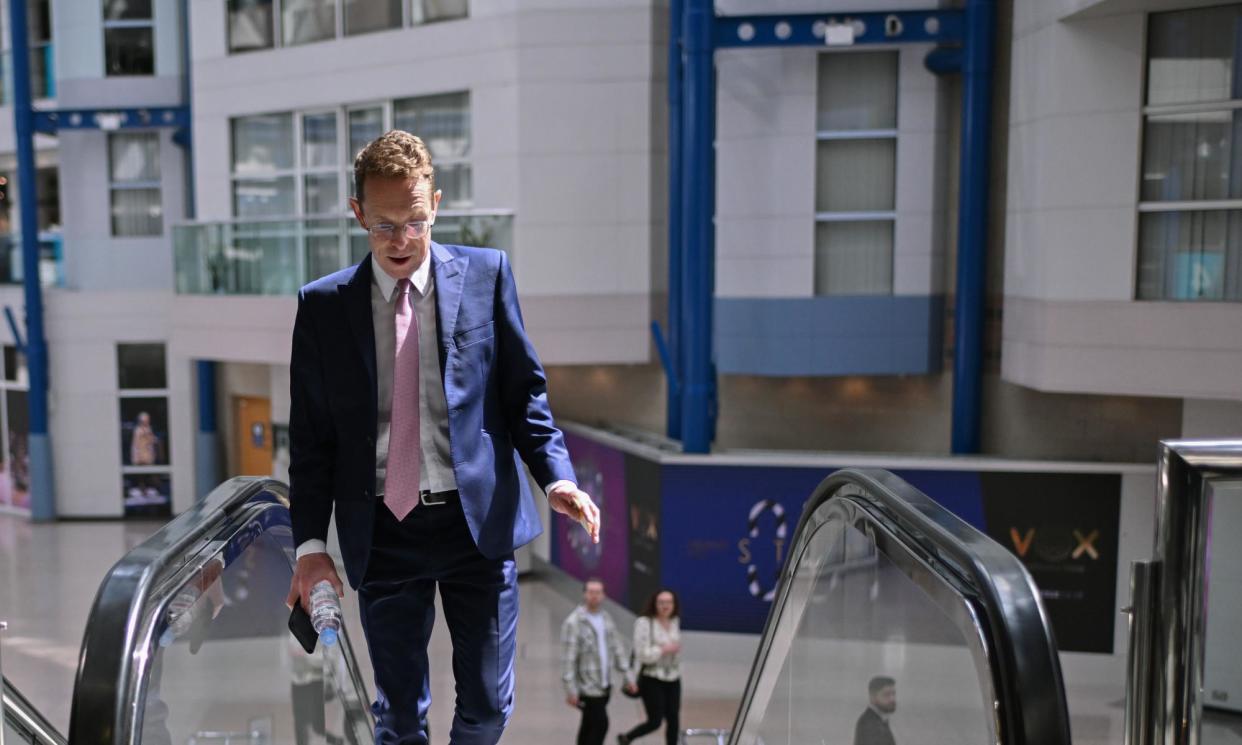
(409,559)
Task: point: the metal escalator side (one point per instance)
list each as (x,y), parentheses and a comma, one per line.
(187,639)
(22,724)
(885,587)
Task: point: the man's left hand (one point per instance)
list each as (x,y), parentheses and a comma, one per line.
(576,504)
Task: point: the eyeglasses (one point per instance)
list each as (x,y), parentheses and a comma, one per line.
(387,231)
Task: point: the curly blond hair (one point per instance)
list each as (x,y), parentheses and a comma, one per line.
(394,154)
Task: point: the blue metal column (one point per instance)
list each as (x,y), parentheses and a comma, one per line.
(972,225)
(42,491)
(675,236)
(698,212)
(206,445)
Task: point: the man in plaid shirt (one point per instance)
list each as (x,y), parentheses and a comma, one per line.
(590,646)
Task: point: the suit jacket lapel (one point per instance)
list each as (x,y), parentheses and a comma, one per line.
(356,295)
(450,274)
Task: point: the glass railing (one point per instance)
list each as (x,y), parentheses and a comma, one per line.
(278,256)
(51,260)
(23,725)
(893,617)
(187,640)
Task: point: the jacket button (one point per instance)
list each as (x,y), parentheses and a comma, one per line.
(366,492)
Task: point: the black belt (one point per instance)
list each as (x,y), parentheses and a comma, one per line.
(429,498)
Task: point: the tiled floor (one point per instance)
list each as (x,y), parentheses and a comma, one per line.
(49,574)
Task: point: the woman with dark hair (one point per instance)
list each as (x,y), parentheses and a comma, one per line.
(657,649)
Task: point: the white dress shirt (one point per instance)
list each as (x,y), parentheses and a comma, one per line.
(435,471)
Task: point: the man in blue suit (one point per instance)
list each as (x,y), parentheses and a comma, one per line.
(412,384)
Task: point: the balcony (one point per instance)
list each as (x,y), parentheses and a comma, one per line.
(278,256)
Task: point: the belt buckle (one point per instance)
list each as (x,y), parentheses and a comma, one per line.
(424,497)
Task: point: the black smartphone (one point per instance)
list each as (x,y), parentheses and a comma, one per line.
(303,630)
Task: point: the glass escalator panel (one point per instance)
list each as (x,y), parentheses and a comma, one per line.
(896,622)
(211,659)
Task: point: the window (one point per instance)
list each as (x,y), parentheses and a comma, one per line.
(443,122)
(305,21)
(129,37)
(263,166)
(365,16)
(250,25)
(430,11)
(302,163)
(14,433)
(855,173)
(146,473)
(265,24)
(134,175)
(1190,221)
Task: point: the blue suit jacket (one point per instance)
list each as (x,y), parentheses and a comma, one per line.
(493,382)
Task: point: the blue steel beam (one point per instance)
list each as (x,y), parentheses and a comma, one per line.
(972,226)
(674,362)
(808,29)
(699,208)
(50,122)
(42,489)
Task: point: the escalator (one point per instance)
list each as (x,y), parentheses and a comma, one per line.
(185,643)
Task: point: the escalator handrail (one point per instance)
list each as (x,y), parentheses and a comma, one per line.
(105,681)
(27,718)
(1027,677)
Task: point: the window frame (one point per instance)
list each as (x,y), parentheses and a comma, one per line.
(1185,206)
(878,134)
(134,23)
(115,186)
(340,32)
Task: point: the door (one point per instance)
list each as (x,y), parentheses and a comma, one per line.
(252,431)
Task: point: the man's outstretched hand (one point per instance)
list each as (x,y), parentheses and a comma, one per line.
(575,504)
(312,569)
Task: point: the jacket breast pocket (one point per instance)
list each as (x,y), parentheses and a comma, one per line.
(476,335)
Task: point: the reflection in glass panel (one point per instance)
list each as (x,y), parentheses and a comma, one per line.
(129,51)
(1188,156)
(323,255)
(262,143)
(855,175)
(250,25)
(430,11)
(304,21)
(443,122)
(226,663)
(853,618)
(263,197)
(854,258)
(321,195)
(319,140)
(365,16)
(857,91)
(1190,255)
(1190,55)
(134,156)
(364,125)
(137,212)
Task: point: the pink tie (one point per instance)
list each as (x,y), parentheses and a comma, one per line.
(404,446)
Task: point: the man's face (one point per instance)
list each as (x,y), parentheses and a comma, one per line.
(593,595)
(396,202)
(885,699)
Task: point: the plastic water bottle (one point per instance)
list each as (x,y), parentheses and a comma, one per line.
(325,612)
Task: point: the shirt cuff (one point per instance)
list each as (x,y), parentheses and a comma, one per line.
(548,489)
(313,546)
